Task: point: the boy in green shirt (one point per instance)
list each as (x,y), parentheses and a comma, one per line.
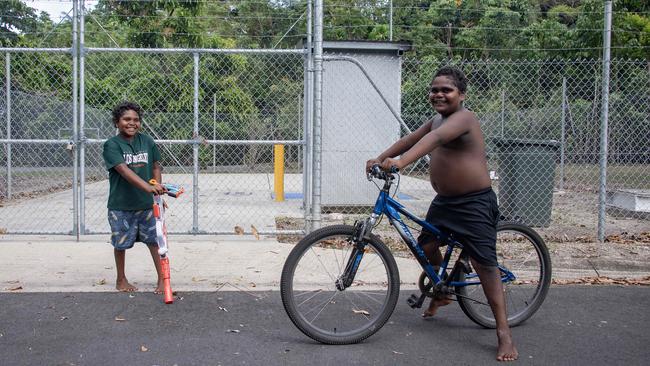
(132,159)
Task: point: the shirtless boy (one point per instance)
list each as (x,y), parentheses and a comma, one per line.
(465,203)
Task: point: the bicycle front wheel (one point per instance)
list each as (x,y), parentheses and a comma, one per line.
(521,251)
(334,314)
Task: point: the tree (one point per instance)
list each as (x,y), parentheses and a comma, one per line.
(157,23)
(16,18)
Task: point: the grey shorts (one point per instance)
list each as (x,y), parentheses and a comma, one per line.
(127,227)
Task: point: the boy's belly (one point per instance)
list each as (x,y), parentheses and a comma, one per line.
(453,178)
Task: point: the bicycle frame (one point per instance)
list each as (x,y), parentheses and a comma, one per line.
(393,210)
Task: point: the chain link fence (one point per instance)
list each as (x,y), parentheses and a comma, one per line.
(36,179)
(216,117)
(541,121)
(233,106)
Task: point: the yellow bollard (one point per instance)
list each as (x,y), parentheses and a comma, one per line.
(278,172)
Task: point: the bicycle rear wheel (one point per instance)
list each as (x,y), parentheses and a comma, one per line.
(521,251)
(321,310)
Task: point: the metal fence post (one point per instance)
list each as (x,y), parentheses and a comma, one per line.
(390,21)
(75,119)
(81,143)
(195,148)
(563,133)
(607,32)
(308,111)
(318,102)
(214,132)
(8,115)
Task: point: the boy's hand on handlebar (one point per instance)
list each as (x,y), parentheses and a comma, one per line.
(370,163)
(388,163)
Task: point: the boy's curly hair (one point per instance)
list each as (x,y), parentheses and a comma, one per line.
(124,106)
(456,75)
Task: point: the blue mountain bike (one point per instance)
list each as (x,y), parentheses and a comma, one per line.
(340,283)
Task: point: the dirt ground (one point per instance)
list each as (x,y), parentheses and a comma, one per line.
(571,237)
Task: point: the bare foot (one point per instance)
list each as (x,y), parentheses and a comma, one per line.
(507,350)
(160,288)
(434,305)
(123,285)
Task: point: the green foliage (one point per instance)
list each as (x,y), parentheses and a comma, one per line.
(238,99)
(16,18)
(563,14)
(634,36)
(156,23)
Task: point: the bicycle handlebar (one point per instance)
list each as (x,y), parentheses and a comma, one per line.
(377,172)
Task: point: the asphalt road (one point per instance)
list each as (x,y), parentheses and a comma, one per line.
(575,326)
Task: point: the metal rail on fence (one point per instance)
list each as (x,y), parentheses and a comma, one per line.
(547,124)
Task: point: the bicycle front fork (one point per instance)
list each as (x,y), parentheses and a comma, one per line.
(361,231)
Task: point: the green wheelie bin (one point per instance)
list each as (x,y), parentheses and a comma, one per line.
(526,175)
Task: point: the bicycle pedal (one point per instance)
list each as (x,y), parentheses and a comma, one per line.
(415,301)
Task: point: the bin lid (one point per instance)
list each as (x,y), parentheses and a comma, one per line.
(503,141)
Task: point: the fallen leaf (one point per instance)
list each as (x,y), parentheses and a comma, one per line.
(398,353)
(119,319)
(101,282)
(255,232)
(603,280)
(144,349)
(232,330)
(15,288)
(239,230)
(194,279)
(223,309)
(364,312)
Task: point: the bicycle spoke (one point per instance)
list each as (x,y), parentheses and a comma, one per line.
(368,265)
(323,265)
(366,294)
(523,253)
(316,292)
(310,292)
(360,309)
(323,307)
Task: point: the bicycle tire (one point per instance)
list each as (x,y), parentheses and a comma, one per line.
(300,285)
(526,294)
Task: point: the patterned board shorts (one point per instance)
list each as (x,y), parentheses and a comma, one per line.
(127,227)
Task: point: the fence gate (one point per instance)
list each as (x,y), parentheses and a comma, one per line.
(217,115)
(37,157)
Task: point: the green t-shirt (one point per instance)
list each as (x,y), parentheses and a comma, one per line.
(139,155)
